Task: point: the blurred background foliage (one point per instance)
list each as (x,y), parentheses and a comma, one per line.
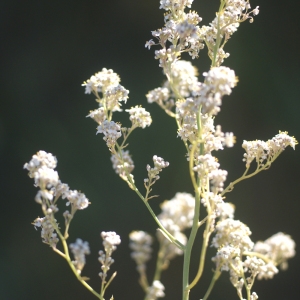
(48,48)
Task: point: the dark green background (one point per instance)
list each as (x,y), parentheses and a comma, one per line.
(48,48)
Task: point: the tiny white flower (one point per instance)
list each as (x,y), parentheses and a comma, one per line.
(149,44)
(280,247)
(79,250)
(139,117)
(155,291)
(140,244)
(40,159)
(77,200)
(111,131)
(101,81)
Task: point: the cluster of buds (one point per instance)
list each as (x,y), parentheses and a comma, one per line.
(79,249)
(41,169)
(265,153)
(153,176)
(245,260)
(110,242)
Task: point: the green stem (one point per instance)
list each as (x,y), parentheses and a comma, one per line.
(66,256)
(188,249)
(197,187)
(166,233)
(105,286)
(217,45)
(259,168)
(159,262)
(71,265)
(212,283)
(102,286)
(133,186)
(159,266)
(143,281)
(126,137)
(207,233)
(230,187)
(248,290)
(163,229)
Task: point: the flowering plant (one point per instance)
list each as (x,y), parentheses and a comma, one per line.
(193,105)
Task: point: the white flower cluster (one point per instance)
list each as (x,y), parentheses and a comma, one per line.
(175,4)
(140,244)
(110,242)
(219,81)
(257,267)
(181,30)
(122,164)
(98,115)
(218,207)
(191,96)
(38,160)
(176,216)
(234,233)
(226,22)
(77,200)
(41,168)
(156,290)
(253,296)
(160,95)
(184,78)
(179,209)
(225,210)
(207,98)
(139,117)
(227,139)
(107,83)
(51,188)
(217,178)
(233,242)
(225,256)
(279,248)
(195,97)
(101,81)
(184,84)
(48,232)
(261,151)
(207,168)
(61,190)
(79,249)
(153,176)
(111,131)
(114,95)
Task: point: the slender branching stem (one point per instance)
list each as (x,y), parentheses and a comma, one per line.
(207,234)
(66,256)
